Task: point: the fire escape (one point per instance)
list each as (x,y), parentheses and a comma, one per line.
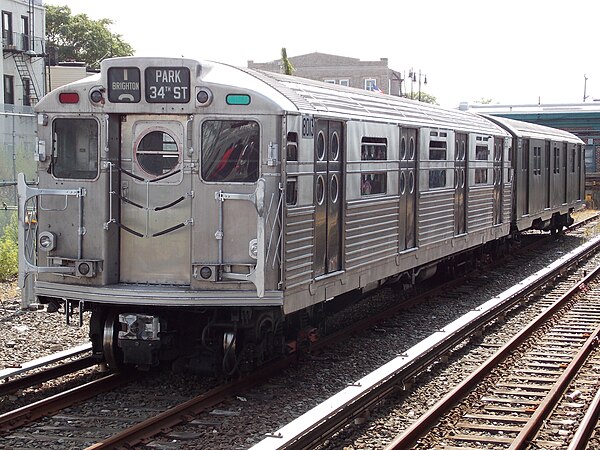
(18,47)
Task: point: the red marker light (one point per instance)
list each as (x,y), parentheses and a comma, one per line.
(68,97)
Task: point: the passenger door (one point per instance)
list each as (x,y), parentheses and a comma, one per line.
(408,188)
(497,179)
(460,183)
(156,198)
(328,196)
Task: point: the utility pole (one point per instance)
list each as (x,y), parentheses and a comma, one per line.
(585,78)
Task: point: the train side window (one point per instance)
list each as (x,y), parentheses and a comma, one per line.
(75,148)
(481,176)
(157,153)
(437,178)
(537,160)
(437,150)
(230,150)
(291,192)
(482,152)
(573,160)
(556,168)
(373,183)
(292,147)
(373,149)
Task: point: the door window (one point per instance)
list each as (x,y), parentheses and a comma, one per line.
(157,153)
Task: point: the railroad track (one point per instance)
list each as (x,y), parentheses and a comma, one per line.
(553,378)
(127,434)
(33,373)
(314,427)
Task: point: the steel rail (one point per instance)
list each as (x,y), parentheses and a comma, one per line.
(430,418)
(44,375)
(549,402)
(325,419)
(165,421)
(587,426)
(49,406)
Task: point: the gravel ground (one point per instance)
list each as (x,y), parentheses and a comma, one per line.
(244,419)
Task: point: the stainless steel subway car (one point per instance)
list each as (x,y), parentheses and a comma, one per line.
(202,211)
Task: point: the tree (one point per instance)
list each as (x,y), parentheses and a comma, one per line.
(79,38)
(425,97)
(288,69)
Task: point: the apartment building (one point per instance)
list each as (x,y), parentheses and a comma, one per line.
(369,75)
(22,71)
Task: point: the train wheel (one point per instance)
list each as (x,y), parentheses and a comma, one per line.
(112,355)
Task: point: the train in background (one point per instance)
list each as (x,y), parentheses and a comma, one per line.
(204,213)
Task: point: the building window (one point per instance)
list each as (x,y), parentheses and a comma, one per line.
(344,82)
(329,81)
(26,92)
(373,149)
(25,31)
(7,35)
(9,90)
(373,183)
(371,84)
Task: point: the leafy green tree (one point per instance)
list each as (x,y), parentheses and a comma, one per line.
(288,69)
(79,38)
(9,250)
(425,97)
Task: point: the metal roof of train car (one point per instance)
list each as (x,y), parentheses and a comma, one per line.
(304,96)
(531,130)
(314,97)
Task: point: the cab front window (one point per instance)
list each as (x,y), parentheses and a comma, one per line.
(75,148)
(230,151)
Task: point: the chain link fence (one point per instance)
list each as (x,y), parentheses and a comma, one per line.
(17,148)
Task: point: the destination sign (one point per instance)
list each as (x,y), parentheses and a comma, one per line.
(124,85)
(167,84)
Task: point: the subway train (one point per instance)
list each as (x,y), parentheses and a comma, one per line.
(203,214)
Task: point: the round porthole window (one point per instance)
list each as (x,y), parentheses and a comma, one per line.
(402,183)
(403,148)
(320,146)
(333,187)
(157,153)
(335,147)
(411,182)
(320,189)
(411,149)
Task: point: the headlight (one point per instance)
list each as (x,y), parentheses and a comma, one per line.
(47,241)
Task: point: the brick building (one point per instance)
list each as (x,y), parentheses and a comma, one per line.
(341,70)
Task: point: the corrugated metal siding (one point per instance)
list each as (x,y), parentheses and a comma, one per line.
(371,231)
(299,246)
(480,208)
(436,216)
(507,206)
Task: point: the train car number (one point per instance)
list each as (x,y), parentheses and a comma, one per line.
(167,84)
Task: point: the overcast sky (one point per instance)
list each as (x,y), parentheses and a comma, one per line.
(510,51)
